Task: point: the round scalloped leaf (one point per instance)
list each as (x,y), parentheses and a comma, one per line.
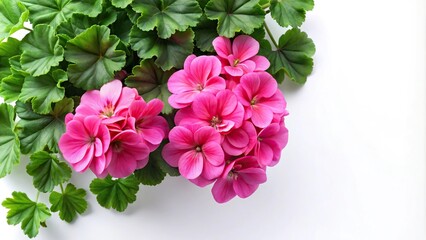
(44,90)
(170,52)
(54,12)
(204,35)
(13,14)
(95,58)
(11,87)
(167,15)
(8,49)
(290,12)
(121,3)
(41,50)
(235,16)
(9,141)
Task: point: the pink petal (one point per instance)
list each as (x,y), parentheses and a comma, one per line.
(205,135)
(205,106)
(201,181)
(73,149)
(180,82)
(253,176)
(84,163)
(98,165)
(152,135)
(182,100)
(91,124)
(122,165)
(69,117)
(153,108)
(211,172)
(182,138)
(237,116)
(136,109)
(226,102)
(213,153)
(247,66)
(172,154)
(214,84)
(98,148)
(264,154)
(270,131)
(234,71)
(243,189)
(222,46)
(223,190)
(90,104)
(261,116)
(110,92)
(238,138)
(262,63)
(205,67)
(276,103)
(75,129)
(187,63)
(191,164)
(244,47)
(128,95)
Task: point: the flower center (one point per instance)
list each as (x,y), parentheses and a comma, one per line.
(199,87)
(253,101)
(236,61)
(215,120)
(116,146)
(198,149)
(108,111)
(259,139)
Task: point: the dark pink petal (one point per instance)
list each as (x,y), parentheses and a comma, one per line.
(153,108)
(84,163)
(253,176)
(91,124)
(211,172)
(262,63)
(244,47)
(76,130)
(152,135)
(172,154)
(205,106)
(201,181)
(213,153)
(69,117)
(243,189)
(182,100)
(238,138)
(264,154)
(110,93)
(191,164)
(122,164)
(270,131)
(234,71)
(261,116)
(222,46)
(214,84)
(282,137)
(223,190)
(231,149)
(268,85)
(225,126)
(226,102)
(243,96)
(98,165)
(182,138)
(205,135)
(136,109)
(237,116)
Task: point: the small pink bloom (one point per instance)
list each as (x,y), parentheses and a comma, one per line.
(240,58)
(196,151)
(127,153)
(261,98)
(200,74)
(144,119)
(85,143)
(240,177)
(270,142)
(110,103)
(223,111)
(241,140)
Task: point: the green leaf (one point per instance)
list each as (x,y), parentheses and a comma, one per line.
(161,163)
(290,12)
(30,214)
(54,12)
(204,35)
(95,58)
(169,52)
(8,49)
(13,14)
(151,82)
(9,141)
(294,55)
(44,90)
(167,16)
(235,16)
(69,202)
(47,171)
(11,87)
(121,28)
(151,174)
(115,193)
(38,131)
(121,3)
(41,50)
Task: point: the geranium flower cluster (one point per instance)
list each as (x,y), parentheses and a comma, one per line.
(230,122)
(113,131)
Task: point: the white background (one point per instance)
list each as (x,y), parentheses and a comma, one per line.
(354,167)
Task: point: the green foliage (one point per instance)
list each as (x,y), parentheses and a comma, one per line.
(23,210)
(13,14)
(167,16)
(8,49)
(9,141)
(290,12)
(235,16)
(115,193)
(204,35)
(151,82)
(41,50)
(47,171)
(121,3)
(69,203)
(95,57)
(11,87)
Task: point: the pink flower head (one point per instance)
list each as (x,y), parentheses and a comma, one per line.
(261,98)
(110,103)
(127,153)
(270,142)
(240,57)
(223,111)
(85,143)
(196,151)
(240,177)
(144,119)
(200,74)
(241,140)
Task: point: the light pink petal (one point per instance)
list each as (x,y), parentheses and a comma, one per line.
(180,82)
(84,163)
(244,47)
(98,165)
(205,67)
(205,106)
(205,135)
(91,124)
(226,102)
(264,154)
(182,138)
(171,154)
(262,63)
(225,126)
(214,84)
(98,148)
(213,153)
(110,92)
(122,164)
(243,189)
(234,71)
(136,109)
(238,138)
(276,103)
(247,66)
(182,100)
(253,176)
(223,190)
(270,131)
(222,46)
(128,95)
(152,135)
(191,164)
(90,104)
(261,116)
(153,108)
(187,63)
(73,149)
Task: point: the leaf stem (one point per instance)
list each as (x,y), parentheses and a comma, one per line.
(38,195)
(266,5)
(270,35)
(27,29)
(62,188)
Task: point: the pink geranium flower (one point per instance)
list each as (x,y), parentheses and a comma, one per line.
(144,119)
(196,151)
(127,153)
(270,142)
(261,98)
(240,57)
(85,143)
(222,112)
(241,140)
(200,74)
(240,177)
(110,103)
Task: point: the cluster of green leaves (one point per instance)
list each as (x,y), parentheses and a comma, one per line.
(79,45)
